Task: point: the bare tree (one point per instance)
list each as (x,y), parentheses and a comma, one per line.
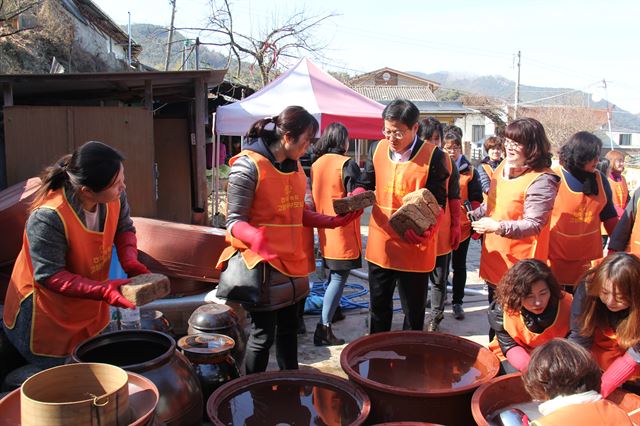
(490,107)
(285,38)
(560,122)
(9,13)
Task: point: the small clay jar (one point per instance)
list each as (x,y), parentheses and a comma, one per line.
(155,320)
(220,319)
(211,357)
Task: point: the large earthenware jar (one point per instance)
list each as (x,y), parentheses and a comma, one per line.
(418,376)
(152,354)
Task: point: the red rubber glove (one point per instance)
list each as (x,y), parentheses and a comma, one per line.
(412,237)
(433,229)
(313,219)
(617,373)
(74,285)
(518,358)
(254,238)
(610,225)
(127,248)
(455,207)
(475,205)
(358,190)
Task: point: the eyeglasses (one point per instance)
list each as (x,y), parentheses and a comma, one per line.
(452,148)
(397,134)
(511,143)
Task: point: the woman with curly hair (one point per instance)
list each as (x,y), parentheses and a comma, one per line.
(529,310)
(605,318)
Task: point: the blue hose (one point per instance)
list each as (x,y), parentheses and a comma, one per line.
(346,301)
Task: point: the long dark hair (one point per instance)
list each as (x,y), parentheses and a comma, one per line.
(94,165)
(334,139)
(293,120)
(530,133)
(623,270)
(581,148)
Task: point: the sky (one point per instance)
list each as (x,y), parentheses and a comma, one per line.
(563,43)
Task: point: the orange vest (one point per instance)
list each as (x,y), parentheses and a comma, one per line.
(60,322)
(500,253)
(597,413)
(465,223)
(394,180)
(605,349)
(574,236)
(443,245)
(620,196)
(489,171)
(515,326)
(327,184)
(277,206)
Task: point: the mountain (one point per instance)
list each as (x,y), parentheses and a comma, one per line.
(500,87)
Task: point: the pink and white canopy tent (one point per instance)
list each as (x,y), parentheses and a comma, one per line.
(308,86)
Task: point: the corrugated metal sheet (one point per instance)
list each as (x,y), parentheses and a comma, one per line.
(389,93)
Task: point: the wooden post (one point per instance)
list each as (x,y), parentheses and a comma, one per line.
(201,191)
(148,95)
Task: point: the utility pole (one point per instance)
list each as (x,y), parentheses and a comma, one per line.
(606,95)
(516,100)
(197,53)
(170,37)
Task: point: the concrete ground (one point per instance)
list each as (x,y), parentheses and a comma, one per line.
(327,359)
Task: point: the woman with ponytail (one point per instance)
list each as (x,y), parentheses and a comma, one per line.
(265,218)
(59,294)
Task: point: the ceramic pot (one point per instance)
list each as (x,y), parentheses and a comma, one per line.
(418,376)
(220,319)
(155,320)
(297,397)
(153,355)
(210,355)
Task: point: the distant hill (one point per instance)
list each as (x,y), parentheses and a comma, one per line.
(503,88)
(153,39)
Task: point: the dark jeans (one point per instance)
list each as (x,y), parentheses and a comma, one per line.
(412,287)
(280,326)
(438,278)
(459,266)
(492,291)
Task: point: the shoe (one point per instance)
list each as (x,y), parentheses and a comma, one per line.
(302,328)
(324,336)
(458,312)
(433,323)
(338,315)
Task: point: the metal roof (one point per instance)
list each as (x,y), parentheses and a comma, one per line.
(389,93)
(440,107)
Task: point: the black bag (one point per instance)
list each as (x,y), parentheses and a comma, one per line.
(243,285)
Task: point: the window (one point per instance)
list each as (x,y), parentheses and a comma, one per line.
(625,139)
(477,132)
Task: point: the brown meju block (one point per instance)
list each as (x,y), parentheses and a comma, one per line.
(146,288)
(418,212)
(355,202)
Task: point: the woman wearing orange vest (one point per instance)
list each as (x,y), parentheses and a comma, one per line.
(605,318)
(515,217)
(582,204)
(333,175)
(494,147)
(565,377)
(626,235)
(265,219)
(617,181)
(471,193)
(399,164)
(59,294)
(449,234)
(529,310)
